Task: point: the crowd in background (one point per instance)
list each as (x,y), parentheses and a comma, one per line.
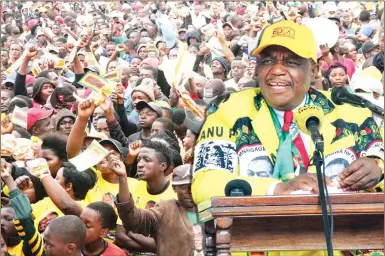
(145,119)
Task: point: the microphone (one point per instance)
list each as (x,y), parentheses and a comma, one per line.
(309,120)
(238,188)
(341,95)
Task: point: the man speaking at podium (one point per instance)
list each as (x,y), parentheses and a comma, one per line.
(246,136)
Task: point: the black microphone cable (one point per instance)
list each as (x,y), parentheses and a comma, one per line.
(327,219)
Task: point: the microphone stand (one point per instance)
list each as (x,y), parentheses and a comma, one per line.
(319,161)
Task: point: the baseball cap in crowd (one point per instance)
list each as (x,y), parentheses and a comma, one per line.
(37,114)
(142,104)
(297,38)
(92,68)
(181,175)
(39,32)
(59,19)
(213,89)
(9,81)
(241,11)
(52,48)
(153,62)
(97,136)
(62,95)
(228,24)
(182,30)
(32,22)
(69,19)
(126,7)
(367,84)
(116,144)
(114,14)
(335,19)
(368,46)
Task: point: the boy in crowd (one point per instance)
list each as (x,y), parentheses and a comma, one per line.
(168,217)
(64,235)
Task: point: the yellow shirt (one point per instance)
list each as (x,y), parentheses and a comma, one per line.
(45,207)
(16,250)
(144,200)
(106,192)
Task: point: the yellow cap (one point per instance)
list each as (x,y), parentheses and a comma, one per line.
(371,71)
(297,38)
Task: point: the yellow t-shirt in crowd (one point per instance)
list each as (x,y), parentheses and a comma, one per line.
(106,192)
(16,250)
(145,200)
(45,209)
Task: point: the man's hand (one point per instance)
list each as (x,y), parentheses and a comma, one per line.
(114,97)
(24,182)
(117,166)
(86,41)
(31,53)
(325,50)
(306,182)
(120,91)
(6,125)
(6,170)
(106,105)
(133,151)
(119,48)
(363,173)
(204,50)
(243,40)
(86,109)
(134,148)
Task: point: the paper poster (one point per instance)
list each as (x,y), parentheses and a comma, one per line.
(19,117)
(114,76)
(93,81)
(90,157)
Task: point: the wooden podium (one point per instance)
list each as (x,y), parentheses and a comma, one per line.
(279,223)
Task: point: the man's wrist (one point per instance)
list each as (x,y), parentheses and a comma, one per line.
(123,178)
(109,114)
(83,118)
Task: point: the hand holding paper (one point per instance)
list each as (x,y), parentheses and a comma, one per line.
(38,168)
(92,156)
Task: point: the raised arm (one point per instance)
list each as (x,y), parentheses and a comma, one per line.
(113,125)
(20,86)
(113,57)
(140,221)
(225,49)
(76,137)
(23,212)
(60,197)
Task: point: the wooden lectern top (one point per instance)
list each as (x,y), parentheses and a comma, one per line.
(294,222)
(352,203)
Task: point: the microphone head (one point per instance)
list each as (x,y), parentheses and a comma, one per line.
(305,113)
(238,184)
(338,93)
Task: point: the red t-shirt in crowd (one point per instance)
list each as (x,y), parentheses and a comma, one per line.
(113,250)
